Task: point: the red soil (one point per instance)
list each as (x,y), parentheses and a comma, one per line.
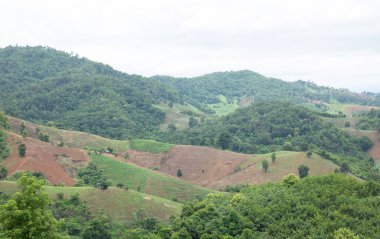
(45,158)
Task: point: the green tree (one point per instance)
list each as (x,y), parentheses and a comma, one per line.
(309,153)
(23,130)
(172,127)
(273,157)
(224,140)
(3,120)
(27,214)
(265,165)
(193,122)
(344,168)
(344,233)
(303,171)
(3,173)
(98,228)
(179,172)
(22,149)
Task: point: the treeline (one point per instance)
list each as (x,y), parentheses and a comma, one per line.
(369,121)
(4,151)
(335,206)
(235,85)
(267,127)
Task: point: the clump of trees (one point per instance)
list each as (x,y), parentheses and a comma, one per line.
(92,175)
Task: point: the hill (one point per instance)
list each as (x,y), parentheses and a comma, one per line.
(268,127)
(44,85)
(120,204)
(247,86)
(217,169)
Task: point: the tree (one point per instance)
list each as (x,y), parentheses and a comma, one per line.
(27,213)
(179,172)
(23,130)
(265,165)
(303,171)
(3,173)
(98,228)
(172,127)
(309,153)
(3,120)
(224,140)
(344,168)
(344,233)
(22,150)
(273,156)
(192,122)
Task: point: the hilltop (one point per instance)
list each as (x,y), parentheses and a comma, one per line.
(47,86)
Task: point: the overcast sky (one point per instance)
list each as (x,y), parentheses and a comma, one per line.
(332,42)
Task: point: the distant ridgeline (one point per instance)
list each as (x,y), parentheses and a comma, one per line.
(41,84)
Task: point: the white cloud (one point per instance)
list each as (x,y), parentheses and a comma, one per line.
(333,42)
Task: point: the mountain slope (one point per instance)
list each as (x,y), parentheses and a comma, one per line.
(42,84)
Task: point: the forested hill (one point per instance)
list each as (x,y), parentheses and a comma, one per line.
(42,84)
(248,85)
(269,127)
(48,86)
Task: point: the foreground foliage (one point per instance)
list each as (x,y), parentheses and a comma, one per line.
(314,207)
(26,214)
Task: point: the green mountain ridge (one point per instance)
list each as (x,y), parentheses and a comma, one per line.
(41,84)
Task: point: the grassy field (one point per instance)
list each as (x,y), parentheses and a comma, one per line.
(121,205)
(174,115)
(150,146)
(148,181)
(224,108)
(288,162)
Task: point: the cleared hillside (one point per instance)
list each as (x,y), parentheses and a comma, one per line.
(148,181)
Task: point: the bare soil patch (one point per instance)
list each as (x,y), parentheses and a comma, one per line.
(56,163)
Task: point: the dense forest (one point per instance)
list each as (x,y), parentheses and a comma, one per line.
(335,206)
(44,85)
(47,86)
(369,121)
(236,85)
(267,127)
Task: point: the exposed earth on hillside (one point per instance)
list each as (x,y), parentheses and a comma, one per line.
(56,163)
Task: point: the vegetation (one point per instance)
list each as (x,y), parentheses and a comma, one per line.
(150,146)
(21,149)
(267,127)
(369,121)
(27,214)
(303,171)
(91,175)
(44,85)
(147,181)
(315,207)
(4,151)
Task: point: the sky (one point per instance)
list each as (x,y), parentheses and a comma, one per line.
(333,43)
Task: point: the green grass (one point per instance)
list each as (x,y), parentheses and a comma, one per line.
(224,108)
(148,181)
(288,162)
(150,146)
(174,115)
(121,205)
